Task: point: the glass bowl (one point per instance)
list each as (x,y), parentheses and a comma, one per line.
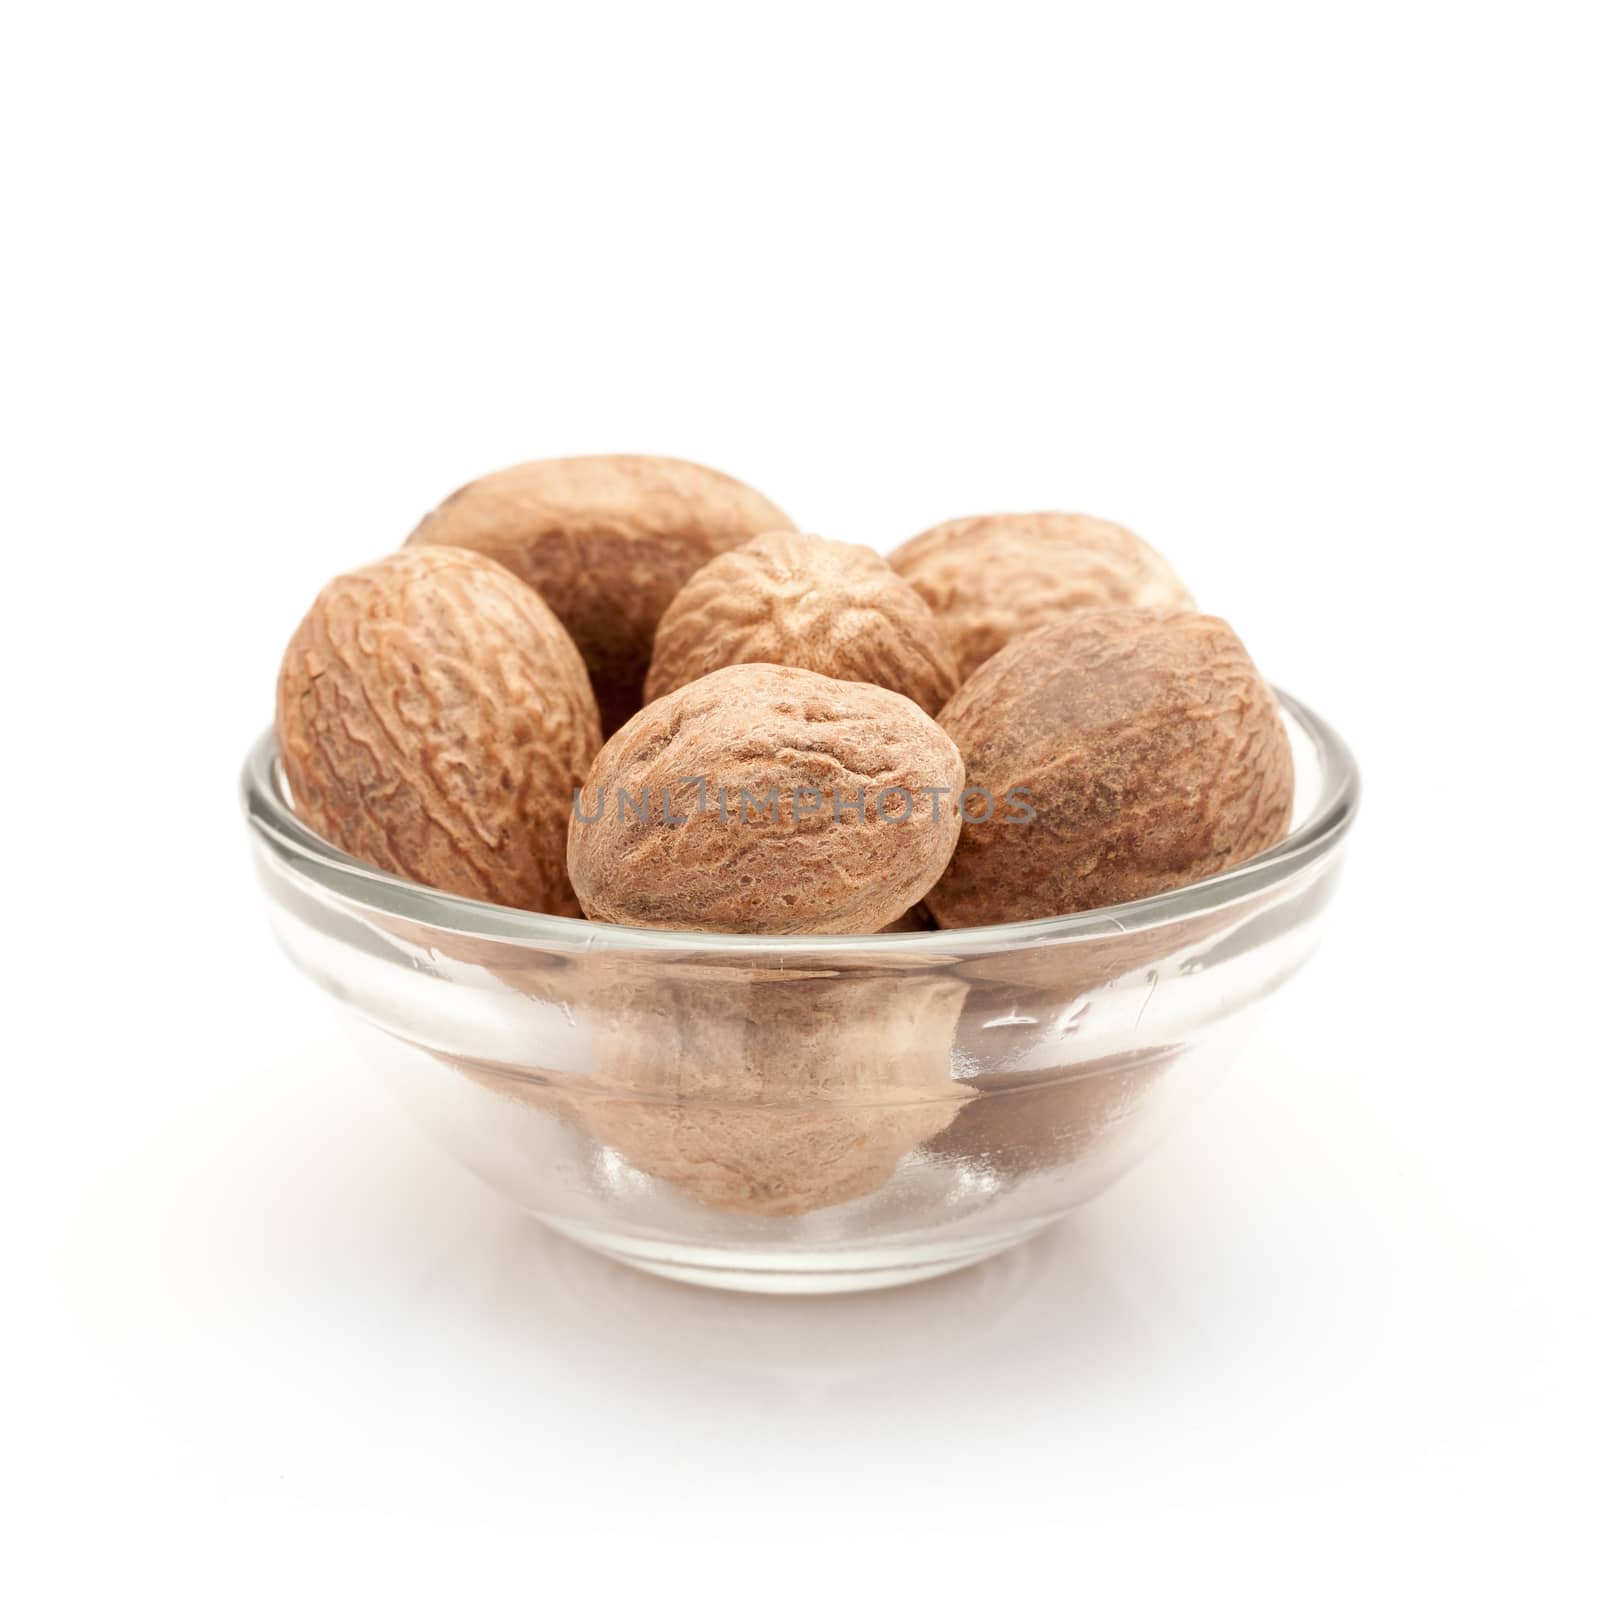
(801,1114)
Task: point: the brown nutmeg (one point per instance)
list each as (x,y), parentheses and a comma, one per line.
(768,1093)
(764,799)
(795,600)
(990,580)
(1143,751)
(608,541)
(433,719)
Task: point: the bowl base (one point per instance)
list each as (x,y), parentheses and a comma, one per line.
(821,1271)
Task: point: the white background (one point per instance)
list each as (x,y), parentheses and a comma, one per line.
(1307,296)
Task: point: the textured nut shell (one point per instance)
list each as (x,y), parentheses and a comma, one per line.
(434,719)
(608,541)
(773,1098)
(990,580)
(1153,751)
(799,601)
(757,729)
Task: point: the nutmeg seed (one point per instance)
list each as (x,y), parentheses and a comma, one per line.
(990,580)
(1146,746)
(608,541)
(795,600)
(768,1093)
(764,799)
(433,719)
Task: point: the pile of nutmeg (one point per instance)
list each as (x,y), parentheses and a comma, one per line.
(625,687)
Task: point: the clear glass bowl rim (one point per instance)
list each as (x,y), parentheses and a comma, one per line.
(274,822)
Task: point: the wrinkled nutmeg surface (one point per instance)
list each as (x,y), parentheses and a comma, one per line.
(608,541)
(1152,751)
(433,718)
(990,580)
(795,600)
(713,754)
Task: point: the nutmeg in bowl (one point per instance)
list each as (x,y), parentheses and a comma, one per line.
(802,1112)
